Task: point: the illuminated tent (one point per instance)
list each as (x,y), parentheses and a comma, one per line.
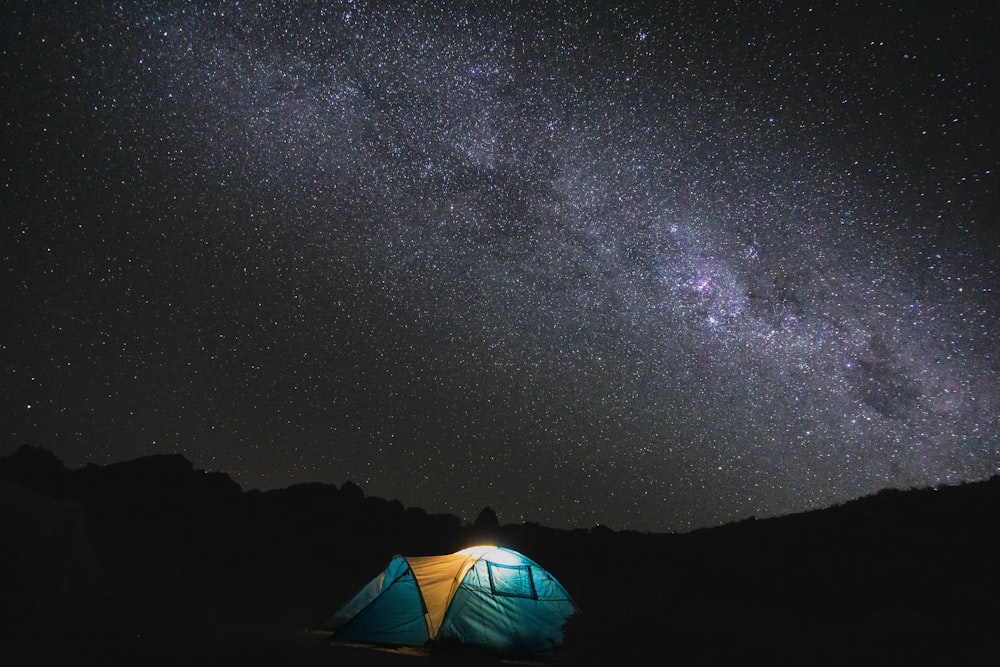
(485,596)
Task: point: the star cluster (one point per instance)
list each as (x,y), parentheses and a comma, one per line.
(656,267)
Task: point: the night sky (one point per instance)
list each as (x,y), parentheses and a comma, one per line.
(651,267)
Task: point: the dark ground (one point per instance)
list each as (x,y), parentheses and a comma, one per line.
(151,562)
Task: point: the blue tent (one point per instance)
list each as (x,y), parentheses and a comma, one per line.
(484,596)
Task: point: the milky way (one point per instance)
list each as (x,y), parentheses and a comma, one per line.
(655,268)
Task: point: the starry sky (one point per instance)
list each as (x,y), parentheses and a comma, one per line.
(650,266)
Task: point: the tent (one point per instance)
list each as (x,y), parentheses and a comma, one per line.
(483,596)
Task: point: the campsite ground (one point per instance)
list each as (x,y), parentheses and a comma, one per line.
(220,647)
(154,563)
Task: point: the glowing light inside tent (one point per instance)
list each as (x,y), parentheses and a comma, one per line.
(494,554)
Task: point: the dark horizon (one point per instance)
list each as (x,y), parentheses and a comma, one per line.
(152,562)
(40,467)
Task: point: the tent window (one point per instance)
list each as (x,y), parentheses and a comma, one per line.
(512,580)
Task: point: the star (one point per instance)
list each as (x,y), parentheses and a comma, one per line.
(581,265)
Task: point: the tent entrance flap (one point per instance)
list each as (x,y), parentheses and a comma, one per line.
(438,578)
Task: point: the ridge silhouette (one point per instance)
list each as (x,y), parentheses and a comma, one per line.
(153,560)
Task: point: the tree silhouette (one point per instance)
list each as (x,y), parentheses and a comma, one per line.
(487,521)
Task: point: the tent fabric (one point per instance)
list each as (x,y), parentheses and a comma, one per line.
(438,578)
(389,607)
(485,596)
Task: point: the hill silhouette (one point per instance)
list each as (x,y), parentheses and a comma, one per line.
(152,561)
